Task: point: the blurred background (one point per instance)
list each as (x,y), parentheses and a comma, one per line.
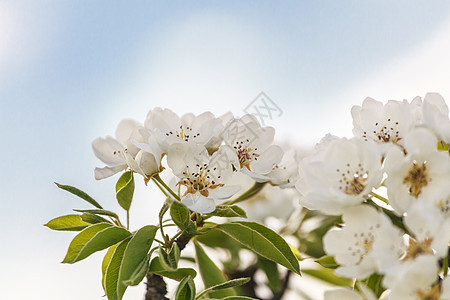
(71,70)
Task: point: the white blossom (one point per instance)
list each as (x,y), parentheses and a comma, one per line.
(435,115)
(203,177)
(339,174)
(349,294)
(253,147)
(367,243)
(423,171)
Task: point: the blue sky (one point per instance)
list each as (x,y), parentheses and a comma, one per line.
(71,70)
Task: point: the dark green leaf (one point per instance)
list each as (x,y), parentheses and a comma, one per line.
(178,275)
(225,285)
(140,272)
(263,241)
(125,190)
(80,194)
(186,289)
(270,268)
(67,223)
(92,239)
(228,211)
(327,262)
(211,274)
(112,271)
(102,212)
(136,251)
(93,219)
(180,214)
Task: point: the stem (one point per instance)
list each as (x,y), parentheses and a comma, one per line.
(128,219)
(160,187)
(445,265)
(249,193)
(161,182)
(379,197)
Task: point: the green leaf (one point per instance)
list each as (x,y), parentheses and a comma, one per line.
(270,268)
(136,251)
(80,194)
(105,263)
(92,239)
(374,282)
(328,276)
(67,223)
(140,272)
(327,262)
(225,285)
(228,211)
(170,260)
(180,214)
(239,298)
(178,275)
(442,146)
(102,212)
(125,190)
(263,241)
(112,271)
(93,219)
(211,274)
(186,289)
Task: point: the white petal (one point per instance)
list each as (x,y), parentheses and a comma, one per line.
(224,192)
(199,203)
(109,150)
(102,173)
(267,160)
(125,129)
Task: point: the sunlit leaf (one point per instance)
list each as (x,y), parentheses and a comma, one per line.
(178,274)
(67,223)
(186,289)
(125,190)
(80,194)
(228,284)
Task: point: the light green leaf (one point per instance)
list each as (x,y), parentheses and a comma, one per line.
(93,219)
(239,298)
(327,262)
(211,274)
(180,214)
(328,276)
(125,190)
(178,275)
(225,285)
(374,282)
(102,212)
(186,289)
(112,271)
(92,239)
(228,211)
(263,241)
(136,251)
(67,223)
(105,263)
(270,268)
(80,194)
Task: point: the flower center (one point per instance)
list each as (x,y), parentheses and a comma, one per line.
(388,132)
(182,133)
(245,154)
(416,178)
(353,181)
(199,181)
(432,294)
(444,206)
(363,243)
(417,248)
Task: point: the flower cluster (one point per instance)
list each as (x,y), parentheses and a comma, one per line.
(204,153)
(391,185)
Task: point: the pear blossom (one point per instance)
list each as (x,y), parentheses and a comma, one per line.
(338,174)
(430,229)
(349,294)
(415,280)
(422,172)
(253,147)
(168,128)
(202,177)
(367,243)
(383,124)
(121,152)
(435,115)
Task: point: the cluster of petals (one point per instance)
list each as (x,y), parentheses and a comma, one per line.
(203,151)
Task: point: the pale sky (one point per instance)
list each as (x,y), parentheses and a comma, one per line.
(71,70)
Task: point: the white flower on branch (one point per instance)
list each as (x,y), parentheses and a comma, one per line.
(340,173)
(435,115)
(422,172)
(367,243)
(203,178)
